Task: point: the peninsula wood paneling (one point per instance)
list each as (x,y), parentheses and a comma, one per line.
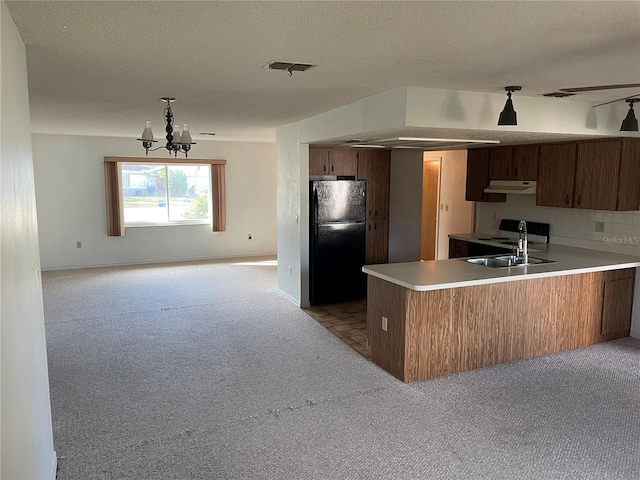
(446,331)
(389,346)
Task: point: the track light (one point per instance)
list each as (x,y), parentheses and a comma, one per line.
(630,123)
(508,115)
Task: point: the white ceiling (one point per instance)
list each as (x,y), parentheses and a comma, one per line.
(100,67)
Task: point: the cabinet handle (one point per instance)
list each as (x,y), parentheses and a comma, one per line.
(369,227)
(375,226)
(376,213)
(515,172)
(324,168)
(566,200)
(580,199)
(369,212)
(507,172)
(331,168)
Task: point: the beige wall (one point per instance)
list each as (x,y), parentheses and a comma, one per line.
(27,438)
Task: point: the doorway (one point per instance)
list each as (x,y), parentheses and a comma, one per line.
(430,201)
(445,210)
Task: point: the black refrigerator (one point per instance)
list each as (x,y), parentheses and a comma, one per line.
(337,240)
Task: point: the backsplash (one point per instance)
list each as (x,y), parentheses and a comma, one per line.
(569,226)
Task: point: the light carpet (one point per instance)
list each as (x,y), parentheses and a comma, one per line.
(201,370)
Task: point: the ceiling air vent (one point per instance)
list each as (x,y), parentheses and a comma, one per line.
(558,94)
(288,67)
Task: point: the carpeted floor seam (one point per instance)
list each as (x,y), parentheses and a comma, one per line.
(255,299)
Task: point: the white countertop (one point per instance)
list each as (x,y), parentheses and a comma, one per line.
(453,273)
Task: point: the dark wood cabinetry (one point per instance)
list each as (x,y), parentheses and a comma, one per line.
(478,177)
(458,248)
(597,172)
(332,161)
(374,166)
(594,175)
(513,163)
(556,172)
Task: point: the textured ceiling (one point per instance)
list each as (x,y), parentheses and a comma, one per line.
(99,68)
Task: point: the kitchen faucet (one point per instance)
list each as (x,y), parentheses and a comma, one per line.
(522,252)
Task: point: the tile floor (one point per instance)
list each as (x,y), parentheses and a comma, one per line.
(347,321)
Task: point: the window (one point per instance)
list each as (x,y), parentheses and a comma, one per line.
(153,191)
(156,194)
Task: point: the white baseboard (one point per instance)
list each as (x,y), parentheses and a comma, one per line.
(162,261)
(54,467)
(295,301)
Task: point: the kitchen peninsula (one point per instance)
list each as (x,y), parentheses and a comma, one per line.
(427,319)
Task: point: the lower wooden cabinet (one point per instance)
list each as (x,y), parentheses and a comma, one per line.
(617,302)
(377,242)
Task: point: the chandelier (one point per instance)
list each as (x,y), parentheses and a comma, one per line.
(176,141)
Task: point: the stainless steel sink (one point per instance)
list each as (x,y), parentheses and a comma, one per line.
(505,261)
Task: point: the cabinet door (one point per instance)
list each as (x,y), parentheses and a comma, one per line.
(629,184)
(457,248)
(343,161)
(617,303)
(381,181)
(319,161)
(377,242)
(557,166)
(478,177)
(500,163)
(375,168)
(525,163)
(597,171)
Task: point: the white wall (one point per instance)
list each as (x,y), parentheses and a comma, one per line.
(573,227)
(405,206)
(293,218)
(69,178)
(27,438)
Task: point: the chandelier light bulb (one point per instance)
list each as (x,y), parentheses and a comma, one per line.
(147,134)
(176,136)
(186,136)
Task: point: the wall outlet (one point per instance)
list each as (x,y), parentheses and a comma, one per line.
(78,244)
(598,227)
(250,237)
(384,323)
(290,270)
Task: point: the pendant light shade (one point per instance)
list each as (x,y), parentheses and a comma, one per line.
(508,115)
(630,123)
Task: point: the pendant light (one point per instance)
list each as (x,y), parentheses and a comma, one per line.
(508,115)
(176,142)
(630,123)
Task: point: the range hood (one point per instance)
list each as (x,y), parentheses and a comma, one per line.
(524,187)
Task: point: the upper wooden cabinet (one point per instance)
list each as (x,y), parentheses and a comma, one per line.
(513,163)
(478,177)
(374,166)
(556,173)
(332,161)
(629,181)
(597,173)
(594,175)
